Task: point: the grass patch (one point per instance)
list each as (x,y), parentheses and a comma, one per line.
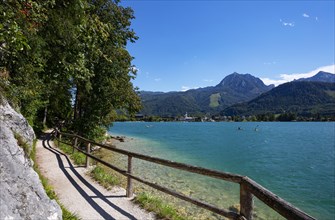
(156,205)
(105,179)
(65,148)
(77,157)
(214,100)
(66,214)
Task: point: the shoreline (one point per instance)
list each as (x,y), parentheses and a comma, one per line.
(191,185)
(264,152)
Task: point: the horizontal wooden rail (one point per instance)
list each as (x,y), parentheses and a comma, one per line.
(226,213)
(275,202)
(248,187)
(181,166)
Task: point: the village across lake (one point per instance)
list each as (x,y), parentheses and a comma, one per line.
(293,160)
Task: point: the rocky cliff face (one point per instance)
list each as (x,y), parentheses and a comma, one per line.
(21,193)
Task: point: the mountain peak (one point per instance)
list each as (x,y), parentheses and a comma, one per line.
(234,88)
(321,76)
(243,83)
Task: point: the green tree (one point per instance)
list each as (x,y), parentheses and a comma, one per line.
(22,55)
(287,116)
(110,87)
(68,60)
(65,59)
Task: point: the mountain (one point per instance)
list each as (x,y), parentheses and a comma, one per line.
(234,88)
(320,77)
(242,83)
(301,97)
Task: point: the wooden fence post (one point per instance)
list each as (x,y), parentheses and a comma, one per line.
(75,144)
(88,150)
(129,179)
(246,201)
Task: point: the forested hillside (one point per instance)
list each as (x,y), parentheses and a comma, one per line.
(67,61)
(299,97)
(234,88)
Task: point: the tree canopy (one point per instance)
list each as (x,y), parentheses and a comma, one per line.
(68,60)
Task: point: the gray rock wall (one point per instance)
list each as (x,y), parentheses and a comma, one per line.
(15,121)
(21,193)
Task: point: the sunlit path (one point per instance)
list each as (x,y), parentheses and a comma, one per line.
(78,192)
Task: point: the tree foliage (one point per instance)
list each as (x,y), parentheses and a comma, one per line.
(68,60)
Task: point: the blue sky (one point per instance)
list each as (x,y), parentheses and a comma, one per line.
(191,44)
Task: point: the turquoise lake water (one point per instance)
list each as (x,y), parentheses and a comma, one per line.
(293,160)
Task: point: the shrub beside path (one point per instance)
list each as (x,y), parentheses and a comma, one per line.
(79,193)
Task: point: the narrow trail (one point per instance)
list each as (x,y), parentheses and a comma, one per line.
(78,192)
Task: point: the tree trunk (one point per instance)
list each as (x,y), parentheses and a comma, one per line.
(75,112)
(45,116)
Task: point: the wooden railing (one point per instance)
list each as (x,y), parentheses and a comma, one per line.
(248,187)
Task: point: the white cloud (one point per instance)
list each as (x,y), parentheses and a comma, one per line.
(283,78)
(185,88)
(268,81)
(158,79)
(308,16)
(291,24)
(305,15)
(290,77)
(270,63)
(284,23)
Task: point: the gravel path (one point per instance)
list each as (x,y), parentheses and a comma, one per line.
(79,193)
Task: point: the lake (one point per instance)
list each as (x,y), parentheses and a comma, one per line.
(294,160)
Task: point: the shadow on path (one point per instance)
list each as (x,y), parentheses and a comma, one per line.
(45,140)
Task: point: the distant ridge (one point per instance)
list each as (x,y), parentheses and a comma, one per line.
(303,98)
(320,77)
(234,88)
(244,94)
